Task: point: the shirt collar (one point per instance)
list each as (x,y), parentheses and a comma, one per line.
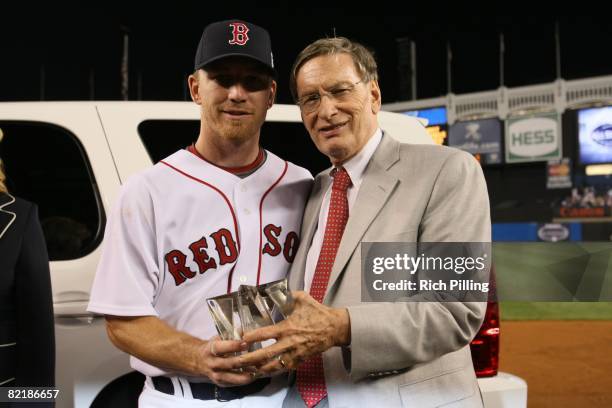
(357,164)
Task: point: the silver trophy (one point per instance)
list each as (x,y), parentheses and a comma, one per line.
(249,308)
(280,296)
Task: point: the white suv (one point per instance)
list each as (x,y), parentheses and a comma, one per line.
(71,158)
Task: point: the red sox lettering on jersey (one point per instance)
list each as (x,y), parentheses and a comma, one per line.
(226,249)
(239,34)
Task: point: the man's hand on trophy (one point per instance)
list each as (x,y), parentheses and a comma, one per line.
(219,363)
(311,329)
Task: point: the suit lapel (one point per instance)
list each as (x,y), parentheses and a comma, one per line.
(309,226)
(376,187)
(6,217)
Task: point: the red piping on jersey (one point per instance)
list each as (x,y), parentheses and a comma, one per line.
(261,218)
(229,279)
(234,170)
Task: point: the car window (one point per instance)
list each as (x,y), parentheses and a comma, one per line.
(161,138)
(47,165)
(288,140)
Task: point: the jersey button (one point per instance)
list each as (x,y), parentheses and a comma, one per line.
(243,278)
(247,211)
(243,188)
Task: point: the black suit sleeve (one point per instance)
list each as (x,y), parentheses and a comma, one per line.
(35,329)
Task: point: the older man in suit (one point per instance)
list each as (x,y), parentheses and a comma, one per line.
(346,352)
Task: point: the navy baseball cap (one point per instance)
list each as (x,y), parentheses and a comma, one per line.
(234,38)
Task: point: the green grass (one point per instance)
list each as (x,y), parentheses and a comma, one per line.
(556,310)
(554,281)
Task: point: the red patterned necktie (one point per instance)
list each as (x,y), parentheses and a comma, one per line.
(310,375)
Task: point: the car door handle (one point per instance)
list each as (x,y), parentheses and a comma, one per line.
(71,309)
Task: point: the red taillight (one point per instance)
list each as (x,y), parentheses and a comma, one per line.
(485,346)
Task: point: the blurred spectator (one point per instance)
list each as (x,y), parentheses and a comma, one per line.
(589,198)
(575,198)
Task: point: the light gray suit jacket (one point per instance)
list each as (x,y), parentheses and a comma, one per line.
(408,354)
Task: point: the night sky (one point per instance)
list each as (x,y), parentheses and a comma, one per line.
(78,49)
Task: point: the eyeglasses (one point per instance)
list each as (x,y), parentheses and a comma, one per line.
(338,93)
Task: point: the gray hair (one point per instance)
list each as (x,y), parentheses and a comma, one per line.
(363,58)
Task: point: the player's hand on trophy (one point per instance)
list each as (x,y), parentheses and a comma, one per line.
(311,329)
(219,363)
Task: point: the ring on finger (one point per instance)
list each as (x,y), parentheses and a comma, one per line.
(281,361)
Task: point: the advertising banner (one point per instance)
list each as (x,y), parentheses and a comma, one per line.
(595,135)
(559,174)
(478,137)
(533,138)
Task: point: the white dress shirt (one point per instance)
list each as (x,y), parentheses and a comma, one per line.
(355,168)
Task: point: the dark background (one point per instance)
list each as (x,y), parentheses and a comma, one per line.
(74,51)
(78,48)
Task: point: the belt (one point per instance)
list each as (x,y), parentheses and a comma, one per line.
(208,391)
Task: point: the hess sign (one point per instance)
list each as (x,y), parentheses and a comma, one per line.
(534,138)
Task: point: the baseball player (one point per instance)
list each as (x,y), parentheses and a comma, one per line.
(220,213)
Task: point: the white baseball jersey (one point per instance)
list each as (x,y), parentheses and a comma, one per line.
(186,230)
